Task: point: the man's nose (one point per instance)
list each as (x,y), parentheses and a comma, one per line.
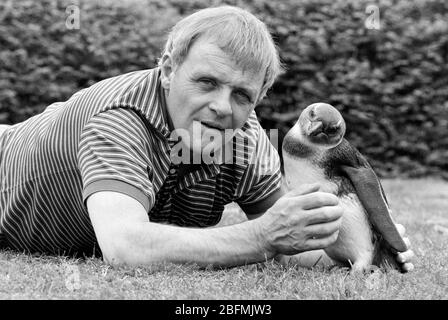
(221,104)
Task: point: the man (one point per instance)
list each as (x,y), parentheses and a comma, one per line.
(95,174)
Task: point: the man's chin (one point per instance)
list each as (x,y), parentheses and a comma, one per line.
(203,144)
(207,153)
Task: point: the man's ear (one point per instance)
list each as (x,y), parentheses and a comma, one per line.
(167,70)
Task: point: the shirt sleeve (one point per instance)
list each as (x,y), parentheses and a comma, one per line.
(114,155)
(262,177)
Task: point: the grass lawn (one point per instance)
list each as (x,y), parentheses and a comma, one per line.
(421,205)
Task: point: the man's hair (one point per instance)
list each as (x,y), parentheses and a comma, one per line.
(237,32)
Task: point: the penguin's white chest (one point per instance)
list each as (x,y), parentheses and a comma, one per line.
(355,240)
(300,171)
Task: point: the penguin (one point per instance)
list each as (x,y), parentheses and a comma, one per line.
(315,150)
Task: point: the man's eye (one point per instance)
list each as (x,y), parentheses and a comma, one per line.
(243,96)
(208,82)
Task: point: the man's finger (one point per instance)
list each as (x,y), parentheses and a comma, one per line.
(323,230)
(318,199)
(324,215)
(404,257)
(322,243)
(407,267)
(303,189)
(407,242)
(401,229)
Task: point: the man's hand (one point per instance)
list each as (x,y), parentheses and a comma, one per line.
(404,258)
(303,219)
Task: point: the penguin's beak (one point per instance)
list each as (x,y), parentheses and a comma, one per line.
(315,128)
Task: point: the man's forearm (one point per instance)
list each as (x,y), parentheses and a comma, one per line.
(233,245)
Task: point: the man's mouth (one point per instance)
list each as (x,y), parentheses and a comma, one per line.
(212,125)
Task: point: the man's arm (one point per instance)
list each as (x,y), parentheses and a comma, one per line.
(126,236)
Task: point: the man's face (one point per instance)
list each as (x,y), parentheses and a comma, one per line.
(209,91)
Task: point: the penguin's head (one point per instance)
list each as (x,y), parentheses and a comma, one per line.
(322,125)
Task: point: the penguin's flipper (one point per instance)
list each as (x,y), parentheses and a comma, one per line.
(371,194)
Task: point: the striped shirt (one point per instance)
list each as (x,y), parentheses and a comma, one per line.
(113,136)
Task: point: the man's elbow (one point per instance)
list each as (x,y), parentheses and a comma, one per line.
(114,258)
(120,252)
(114,254)
(127,250)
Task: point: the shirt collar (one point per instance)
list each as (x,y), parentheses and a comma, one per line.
(155,110)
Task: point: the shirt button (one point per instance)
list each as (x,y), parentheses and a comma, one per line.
(172,171)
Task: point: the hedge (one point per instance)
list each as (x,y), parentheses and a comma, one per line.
(391,84)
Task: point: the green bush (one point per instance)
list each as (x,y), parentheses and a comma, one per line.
(391,84)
